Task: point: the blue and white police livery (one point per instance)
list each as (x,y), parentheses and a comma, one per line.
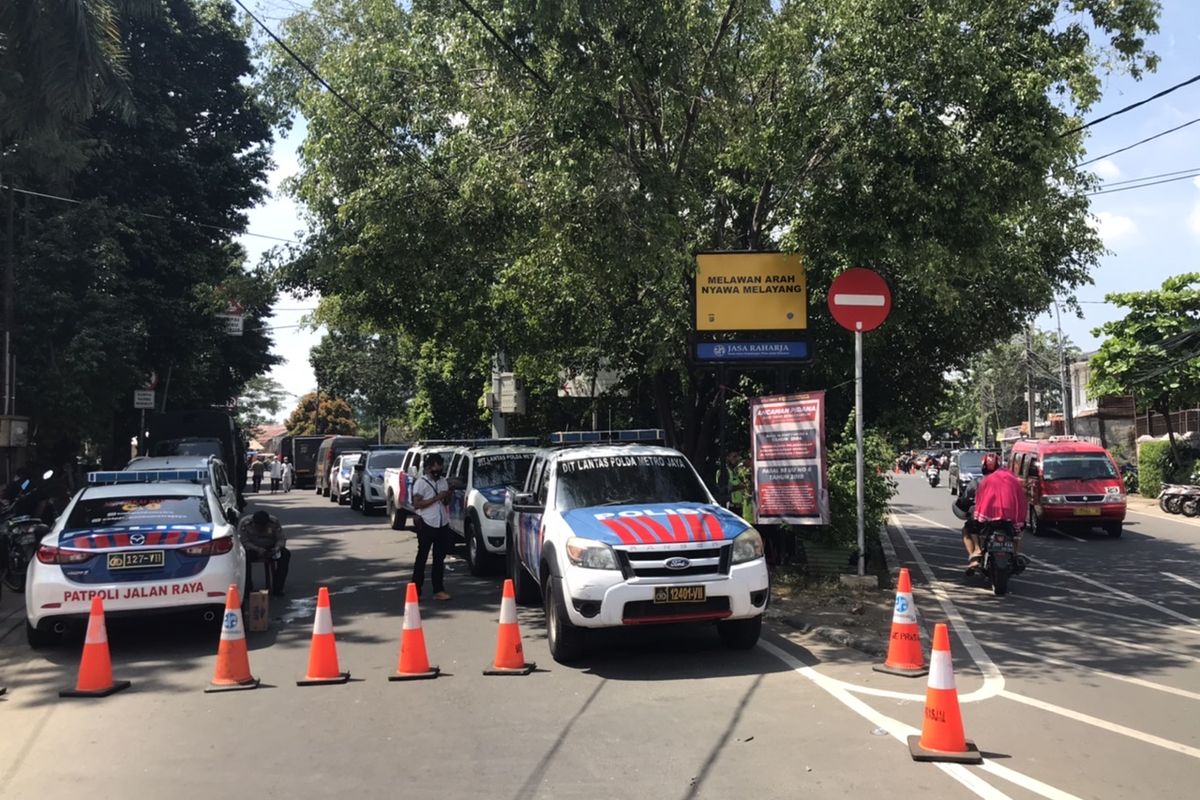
(627,534)
(144,546)
(479,474)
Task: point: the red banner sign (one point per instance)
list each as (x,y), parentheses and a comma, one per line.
(788,433)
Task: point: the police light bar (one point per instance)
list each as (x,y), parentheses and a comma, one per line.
(527,441)
(148,476)
(608,437)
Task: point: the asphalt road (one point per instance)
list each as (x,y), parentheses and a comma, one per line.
(650,713)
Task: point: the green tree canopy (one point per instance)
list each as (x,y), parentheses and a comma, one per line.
(333,416)
(260,401)
(1153,352)
(128,280)
(546,204)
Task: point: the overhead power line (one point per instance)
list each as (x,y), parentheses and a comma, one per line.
(234,231)
(1140,142)
(1189,170)
(1124,110)
(545,84)
(1142,185)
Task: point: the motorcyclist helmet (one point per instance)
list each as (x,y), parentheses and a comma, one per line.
(991,463)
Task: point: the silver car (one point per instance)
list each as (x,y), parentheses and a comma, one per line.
(339,477)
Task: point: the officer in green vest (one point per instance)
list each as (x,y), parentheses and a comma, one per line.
(740,493)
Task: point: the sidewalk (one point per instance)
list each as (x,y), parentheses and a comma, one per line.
(1148,507)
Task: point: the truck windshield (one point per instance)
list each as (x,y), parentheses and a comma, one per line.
(1077,467)
(625,479)
(501,469)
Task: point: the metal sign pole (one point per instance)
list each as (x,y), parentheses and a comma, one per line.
(858,438)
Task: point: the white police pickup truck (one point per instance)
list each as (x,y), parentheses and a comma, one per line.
(609,531)
(478,474)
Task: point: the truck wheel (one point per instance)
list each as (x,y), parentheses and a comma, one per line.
(740,634)
(566,640)
(397,517)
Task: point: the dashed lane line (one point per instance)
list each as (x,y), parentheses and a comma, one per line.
(1045,659)
(1182,580)
(1103,724)
(900,731)
(1110,590)
(1067,603)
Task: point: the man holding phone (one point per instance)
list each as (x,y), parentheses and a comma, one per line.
(431,496)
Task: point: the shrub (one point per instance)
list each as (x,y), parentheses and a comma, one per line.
(1154,462)
(878,487)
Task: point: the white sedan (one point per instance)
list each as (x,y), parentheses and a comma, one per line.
(142,547)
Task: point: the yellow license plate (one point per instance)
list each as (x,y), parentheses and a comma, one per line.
(679,594)
(1087,512)
(146,558)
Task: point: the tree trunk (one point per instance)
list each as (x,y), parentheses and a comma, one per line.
(1165,410)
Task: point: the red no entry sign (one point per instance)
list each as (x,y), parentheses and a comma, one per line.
(859,299)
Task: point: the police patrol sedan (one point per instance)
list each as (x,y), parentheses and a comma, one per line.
(139,544)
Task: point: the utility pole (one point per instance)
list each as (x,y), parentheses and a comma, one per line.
(1030,398)
(1068,422)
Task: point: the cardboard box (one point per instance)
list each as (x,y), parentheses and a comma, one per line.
(258,611)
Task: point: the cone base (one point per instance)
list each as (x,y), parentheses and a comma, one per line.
(214,688)
(116,687)
(416,676)
(342,678)
(903,672)
(970,756)
(524,669)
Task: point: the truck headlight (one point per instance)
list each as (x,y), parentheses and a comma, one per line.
(493,510)
(590,554)
(747,546)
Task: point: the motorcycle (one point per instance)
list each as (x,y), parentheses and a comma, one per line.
(999,541)
(1172,497)
(1190,507)
(933,475)
(22,531)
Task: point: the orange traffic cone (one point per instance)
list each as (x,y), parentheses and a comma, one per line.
(942,736)
(95,668)
(322,656)
(414,661)
(904,648)
(510,657)
(233,662)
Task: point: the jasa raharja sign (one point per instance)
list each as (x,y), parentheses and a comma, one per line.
(750,292)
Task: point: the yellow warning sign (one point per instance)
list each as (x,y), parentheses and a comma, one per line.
(751,291)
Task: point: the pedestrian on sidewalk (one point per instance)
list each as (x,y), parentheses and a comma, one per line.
(289,475)
(431,500)
(276,475)
(257,468)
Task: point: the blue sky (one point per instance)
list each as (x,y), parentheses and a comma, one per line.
(1150,233)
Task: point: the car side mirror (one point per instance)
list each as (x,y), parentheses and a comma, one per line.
(359,467)
(524,499)
(232,516)
(456,483)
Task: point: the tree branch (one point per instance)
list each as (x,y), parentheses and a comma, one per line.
(694,109)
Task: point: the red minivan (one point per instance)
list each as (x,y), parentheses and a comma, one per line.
(1070,483)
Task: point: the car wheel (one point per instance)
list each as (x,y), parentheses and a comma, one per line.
(394,514)
(1114,529)
(365,507)
(342,499)
(479,560)
(953,488)
(740,634)
(333,497)
(565,640)
(41,637)
(1035,523)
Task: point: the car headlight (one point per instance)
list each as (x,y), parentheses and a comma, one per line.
(747,546)
(377,479)
(493,510)
(590,554)
(1053,499)
(1113,494)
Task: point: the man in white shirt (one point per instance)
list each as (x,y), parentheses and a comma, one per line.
(276,470)
(431,497)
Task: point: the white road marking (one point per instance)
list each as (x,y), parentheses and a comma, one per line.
(1111,727)
(1076,576)
(993,681)
(1158,687)
(900,731)
(1068,535)
(1068,603)
(1179,520)
(1182,579)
